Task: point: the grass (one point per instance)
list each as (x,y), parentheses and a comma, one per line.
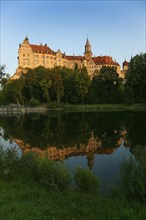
(104,107)
(25,199)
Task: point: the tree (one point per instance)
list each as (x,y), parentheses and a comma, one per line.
(105,86)
(57,87)
(45,85)
(82,83)
(12,91)
(3,76)
(70,93)
(128,95)
(37,85)
(136,77)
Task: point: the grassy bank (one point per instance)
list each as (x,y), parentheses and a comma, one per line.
(104,107)
(27,200)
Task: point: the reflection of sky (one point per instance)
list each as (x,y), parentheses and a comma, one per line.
(7,144)
(106,166)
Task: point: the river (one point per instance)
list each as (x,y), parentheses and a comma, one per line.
(100,141)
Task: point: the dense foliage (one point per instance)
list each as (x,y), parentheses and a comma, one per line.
(136,77)
(3,76)
(133,172)
(63,85)
(48,173)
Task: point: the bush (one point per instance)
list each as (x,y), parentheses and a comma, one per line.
(34,102)
(26,163)
(51,173)
(133,176)
(85,180)
(53,105)
(9,162)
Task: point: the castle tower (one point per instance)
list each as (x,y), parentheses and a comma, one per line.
(88,52)
(125,65)
(25,55)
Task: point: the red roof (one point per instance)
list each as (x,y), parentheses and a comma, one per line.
(41,49)
(125,63)
(100,60)
(104,60)
(74,58)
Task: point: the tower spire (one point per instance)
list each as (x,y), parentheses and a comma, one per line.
(88,52)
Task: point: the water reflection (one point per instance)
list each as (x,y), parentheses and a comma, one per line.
(98,140)
(62,135)
(94,147)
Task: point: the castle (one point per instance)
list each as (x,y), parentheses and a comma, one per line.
(32,56)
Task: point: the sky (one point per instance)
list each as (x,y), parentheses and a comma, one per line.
(114,27)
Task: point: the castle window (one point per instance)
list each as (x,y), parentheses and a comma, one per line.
(28,54)
(24,55)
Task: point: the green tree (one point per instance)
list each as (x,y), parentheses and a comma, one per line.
(70,94)
(13,91)
(37,84)
(57,88)
(136,77)
(4,77)
(82,83)
(105,86)
(45,85)
(128,95)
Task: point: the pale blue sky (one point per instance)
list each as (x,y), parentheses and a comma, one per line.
(115,28)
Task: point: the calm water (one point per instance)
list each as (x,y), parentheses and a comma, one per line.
(100,141)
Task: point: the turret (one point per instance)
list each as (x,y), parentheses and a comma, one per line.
(26,40)
(125,65)
(88,52)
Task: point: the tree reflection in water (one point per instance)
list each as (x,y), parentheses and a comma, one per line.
(96,140)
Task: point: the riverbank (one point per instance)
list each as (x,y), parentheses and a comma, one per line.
(104,107)
(15,109)
(26,200)
(18,109)
(34,188)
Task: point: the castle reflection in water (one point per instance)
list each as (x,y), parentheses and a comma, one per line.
(94,147)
